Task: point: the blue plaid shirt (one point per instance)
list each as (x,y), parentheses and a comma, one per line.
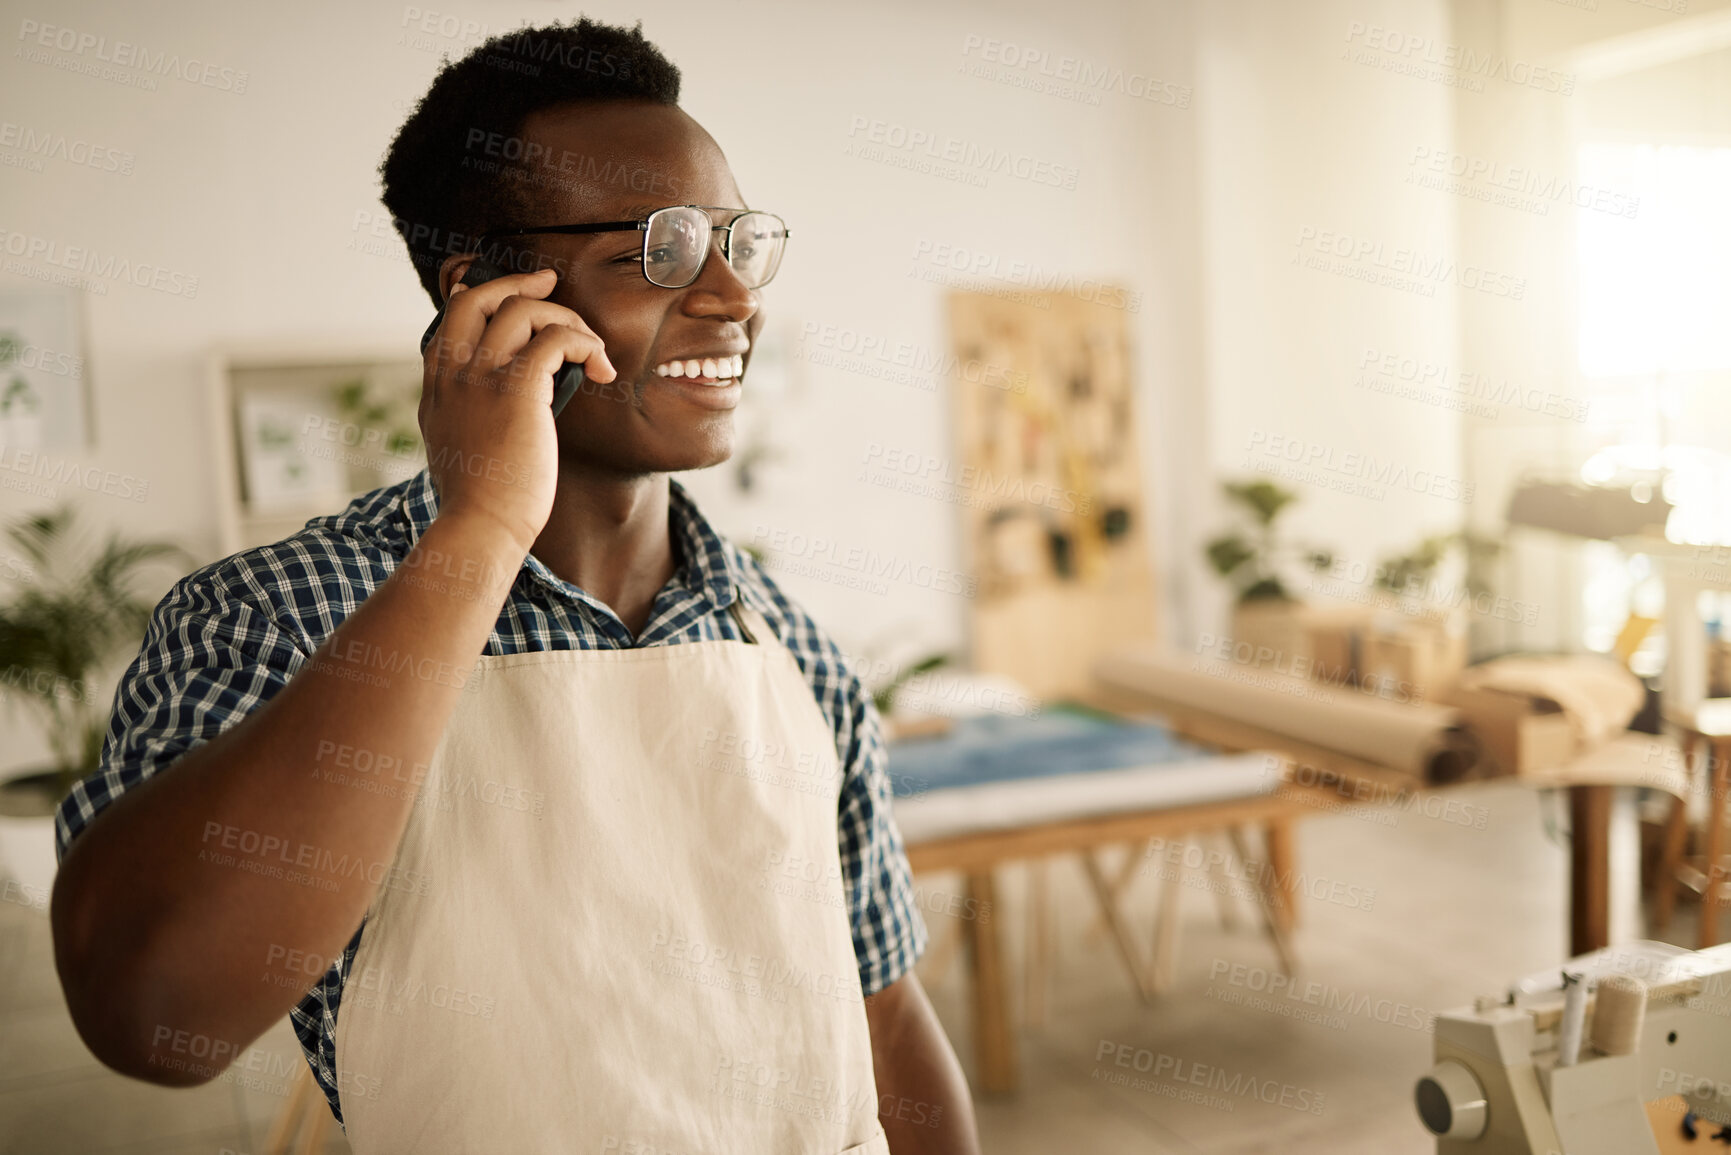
(229,636)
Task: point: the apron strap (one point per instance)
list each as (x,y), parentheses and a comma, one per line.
(750,622)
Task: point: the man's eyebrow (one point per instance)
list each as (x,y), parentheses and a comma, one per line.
(639,211)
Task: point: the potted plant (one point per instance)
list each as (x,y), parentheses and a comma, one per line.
(71,610)
(1253,557)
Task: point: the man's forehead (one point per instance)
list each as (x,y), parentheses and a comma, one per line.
(623,160)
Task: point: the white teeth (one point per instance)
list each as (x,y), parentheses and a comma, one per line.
(714,368)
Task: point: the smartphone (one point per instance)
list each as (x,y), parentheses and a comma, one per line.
(566,381)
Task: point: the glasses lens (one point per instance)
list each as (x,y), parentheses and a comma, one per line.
(674,246)
(755,246)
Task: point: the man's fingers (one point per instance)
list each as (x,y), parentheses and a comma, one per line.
(548,351)
(513,323)
(468,312)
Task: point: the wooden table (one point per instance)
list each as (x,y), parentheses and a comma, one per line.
(1709,725)
(1333,778)
(977,855)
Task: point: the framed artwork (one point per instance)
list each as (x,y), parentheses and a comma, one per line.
(44,397)
(279,472)
(1051,496)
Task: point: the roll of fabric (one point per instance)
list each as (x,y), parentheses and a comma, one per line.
(1426,741)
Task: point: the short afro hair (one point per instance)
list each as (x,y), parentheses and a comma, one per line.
(443,192)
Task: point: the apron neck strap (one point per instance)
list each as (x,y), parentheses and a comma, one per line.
(750,622)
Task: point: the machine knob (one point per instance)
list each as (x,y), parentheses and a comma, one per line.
(1451,1102)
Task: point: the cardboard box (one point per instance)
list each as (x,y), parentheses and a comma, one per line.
(1416,659)
(1287,636)
(1520,733)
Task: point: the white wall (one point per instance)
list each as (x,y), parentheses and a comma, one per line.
(1197,208)
(1302,145)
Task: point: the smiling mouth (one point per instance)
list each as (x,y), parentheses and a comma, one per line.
(703,370)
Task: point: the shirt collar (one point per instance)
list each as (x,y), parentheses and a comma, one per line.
(705,563)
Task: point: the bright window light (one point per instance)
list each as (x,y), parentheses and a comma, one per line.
(1655,288)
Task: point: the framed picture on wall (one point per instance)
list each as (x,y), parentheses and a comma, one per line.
(283,472)
(44,398)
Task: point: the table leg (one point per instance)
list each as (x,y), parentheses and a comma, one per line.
(1670,858)
(1037,970)
(1718,763)
(1277,836)
(1675,844)
(1589,868)
(1116,922)
(994,1042)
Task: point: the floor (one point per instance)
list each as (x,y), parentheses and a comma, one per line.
(1406,912)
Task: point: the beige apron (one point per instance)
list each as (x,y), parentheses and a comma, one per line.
(622,926)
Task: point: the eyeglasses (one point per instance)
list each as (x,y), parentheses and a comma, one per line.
(676,242)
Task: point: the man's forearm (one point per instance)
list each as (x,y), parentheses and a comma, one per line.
(171,909)
(923,1100)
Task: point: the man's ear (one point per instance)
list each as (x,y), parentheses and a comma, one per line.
(451,271)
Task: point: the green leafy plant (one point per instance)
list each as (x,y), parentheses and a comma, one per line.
(393,416)
(1401,573)
(1250,557)
(73,612)
(885,696)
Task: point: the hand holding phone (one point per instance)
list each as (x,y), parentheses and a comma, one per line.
(489,365)
(566,381)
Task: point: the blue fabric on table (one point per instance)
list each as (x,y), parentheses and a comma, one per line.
(1002,748)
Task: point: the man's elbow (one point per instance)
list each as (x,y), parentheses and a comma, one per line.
(118,1000)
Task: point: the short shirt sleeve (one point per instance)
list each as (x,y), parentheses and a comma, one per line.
(208,660)
(888,933)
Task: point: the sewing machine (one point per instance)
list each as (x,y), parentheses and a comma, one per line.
(1626,1051)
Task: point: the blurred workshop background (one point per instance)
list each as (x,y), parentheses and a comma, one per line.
(1271,461)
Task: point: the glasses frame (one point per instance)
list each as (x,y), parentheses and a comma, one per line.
(643,227)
